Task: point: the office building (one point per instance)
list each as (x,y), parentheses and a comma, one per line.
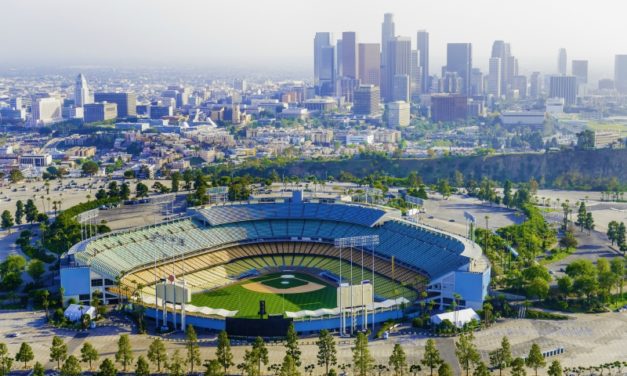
(606,84)
(416,75)
(580,70)
(564,87)
(535,85)
(448,108)
(398,113)
(502,50)
(350,55)
(620,73)
(160,111)
(321,40)
(46,111)
(97,112)
(126,102)
(35,160)
(366,100)
(494,77)
(81,92)
(450,83)
(459,59)
(562,62)
(423,53)
(388,31)
(401,88)
(519,86)
(398,63)
(370,63)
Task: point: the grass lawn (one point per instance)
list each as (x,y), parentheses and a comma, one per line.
(246,302)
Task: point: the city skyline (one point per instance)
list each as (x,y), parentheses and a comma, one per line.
(142,33)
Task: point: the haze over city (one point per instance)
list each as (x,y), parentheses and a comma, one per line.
(275,33)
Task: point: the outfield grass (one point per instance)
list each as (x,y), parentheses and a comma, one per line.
(246,302)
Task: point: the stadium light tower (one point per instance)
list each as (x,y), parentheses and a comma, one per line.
(352,242)
(173,240)
(87,217)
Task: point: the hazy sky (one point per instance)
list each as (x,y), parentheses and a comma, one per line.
(267,32)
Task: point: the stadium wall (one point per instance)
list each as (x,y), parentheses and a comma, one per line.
(312,325)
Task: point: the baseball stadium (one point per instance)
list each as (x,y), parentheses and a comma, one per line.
(321,265)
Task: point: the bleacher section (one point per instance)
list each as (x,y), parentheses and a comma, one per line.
(253,228)
(219,215)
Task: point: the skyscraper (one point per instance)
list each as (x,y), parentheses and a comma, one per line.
(416,75)
(398,63)
(564,87)
(321,40)
(620,73)
(459,60)
(370,63)
(387,34)
(580,70)
(81,91)
(535,85)
(503,51)
(494,77)
(401,88)
(562,62)
(423,53)
(350,55)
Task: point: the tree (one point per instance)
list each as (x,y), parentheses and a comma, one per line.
(6,362)
(15,175)
(176,178)
(538,287)
(362,359)
(481,370)
(213,368)
(327,354)
(90,168)
(36,268)
(89,354)
(444,188)
(501,358)
(38,369)
(431,358)
(398,360)
(589,222)
(107,368)
(142,368)
(507,193)
(518,367)
(535,359)
(581,216)
(289,367)
(224,355)
(612,231)
(157,353)
(19,212)
(58,351)
(555,369)
(101,194)
(7,220)
(125,191)
(466,351)
(25,354)
(124,355)
(71,367)
(617,267)
(141,190)
(176,365)
(31,211)
(193,350)
(259,353)
(445,370)
(292,344)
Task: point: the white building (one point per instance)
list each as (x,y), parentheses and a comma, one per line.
(47,111)
(360,139)
(398,114)
(81,92)
(458,318)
